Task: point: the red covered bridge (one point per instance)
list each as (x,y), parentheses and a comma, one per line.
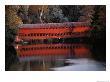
(52,30)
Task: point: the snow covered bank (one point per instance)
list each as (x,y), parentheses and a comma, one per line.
(81,65)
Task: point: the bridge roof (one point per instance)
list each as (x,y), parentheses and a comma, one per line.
(47,25)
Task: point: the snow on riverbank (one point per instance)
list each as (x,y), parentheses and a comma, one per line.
(82,64)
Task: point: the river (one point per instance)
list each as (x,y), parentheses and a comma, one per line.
(60,57)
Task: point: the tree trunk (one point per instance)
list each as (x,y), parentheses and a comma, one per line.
(41,13)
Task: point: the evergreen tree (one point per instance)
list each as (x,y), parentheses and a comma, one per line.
(99,20)
(71,12)
(55,14)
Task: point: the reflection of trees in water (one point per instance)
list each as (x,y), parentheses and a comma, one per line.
(10,57)
(99,52)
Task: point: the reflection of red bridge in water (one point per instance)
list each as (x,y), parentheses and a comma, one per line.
(55,50)
(53,30)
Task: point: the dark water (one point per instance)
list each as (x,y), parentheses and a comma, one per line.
(60,57)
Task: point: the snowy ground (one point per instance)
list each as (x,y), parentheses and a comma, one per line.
(82,64)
